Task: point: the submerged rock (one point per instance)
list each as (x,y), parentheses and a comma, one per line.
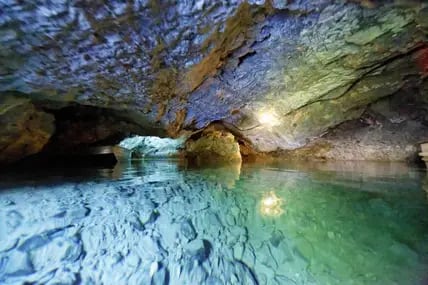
(198,250)
(159,275)
(187,230)
(316,241)
(16,264)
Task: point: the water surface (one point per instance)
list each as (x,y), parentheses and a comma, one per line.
(159,222)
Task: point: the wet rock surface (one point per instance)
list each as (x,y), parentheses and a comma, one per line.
(174,67)
(159,224)
(214,146)
(390,129)
(24,130)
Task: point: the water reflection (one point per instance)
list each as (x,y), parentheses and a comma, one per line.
(425,185)
(161,222)
(271,205)
(225,175)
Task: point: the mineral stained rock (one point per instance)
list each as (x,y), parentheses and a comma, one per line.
(180,66)
(214,146)
(24,129)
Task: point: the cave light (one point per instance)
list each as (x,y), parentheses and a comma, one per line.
(268,118)
(271,205)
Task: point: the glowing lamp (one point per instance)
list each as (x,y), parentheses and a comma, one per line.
(268,118)
(269,201)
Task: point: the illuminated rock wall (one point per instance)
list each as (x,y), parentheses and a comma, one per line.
(180,66)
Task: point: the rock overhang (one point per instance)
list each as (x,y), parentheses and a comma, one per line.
(179,68)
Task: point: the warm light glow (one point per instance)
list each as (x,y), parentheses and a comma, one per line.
(268,118)
(271,205)
(269,202)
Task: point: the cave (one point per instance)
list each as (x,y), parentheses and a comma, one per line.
(214,142)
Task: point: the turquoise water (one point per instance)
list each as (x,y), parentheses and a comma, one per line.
(160,222)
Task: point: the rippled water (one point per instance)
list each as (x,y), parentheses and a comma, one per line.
(162,223)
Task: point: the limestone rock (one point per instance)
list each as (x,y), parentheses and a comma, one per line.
(198,249)
(214,146)
(149,146)
(187,230)
(16,264)
(24,129)
(388,130)
(53,240)
(181,66)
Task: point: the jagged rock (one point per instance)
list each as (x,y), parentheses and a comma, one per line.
(198,250)
(194,273)
(56,252)
(16,263)
(160,276)
(25,130)
(187,230)
(63,277)
(388,130)
(307,245)
(181,66)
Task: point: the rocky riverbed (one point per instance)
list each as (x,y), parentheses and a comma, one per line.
(162,223)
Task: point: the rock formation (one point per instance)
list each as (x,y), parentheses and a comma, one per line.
(154,147)
(214,146)
(24,129)
(156,221)
(172,68)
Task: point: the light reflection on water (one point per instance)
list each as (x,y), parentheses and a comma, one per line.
(161,221)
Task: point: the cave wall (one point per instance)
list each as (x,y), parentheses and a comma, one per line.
(24,130)
(389,129)
(175,67)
